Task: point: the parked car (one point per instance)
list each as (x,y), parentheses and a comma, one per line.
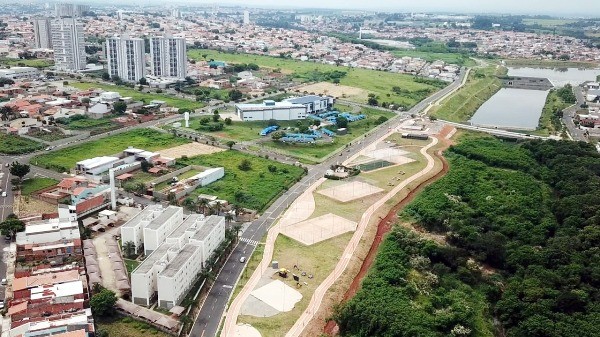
(8,238)
(1,304)
(242,259)
(4,194)
(3,282)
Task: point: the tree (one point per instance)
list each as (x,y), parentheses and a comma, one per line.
(245,165)
(228,121)
(119,107)
(129,249)
(11,226)
(103,303)
(235,95)
(19,170)
(135,187)
(228,217)
(143,81)
(85,100)
(202,203)
(341,122)
(216,116)
(6,80)
(230,143)
(145,165)
(102,333)
(372,100)
(106,76)
(277,135)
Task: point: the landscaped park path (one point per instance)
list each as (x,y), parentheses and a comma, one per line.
(315,302)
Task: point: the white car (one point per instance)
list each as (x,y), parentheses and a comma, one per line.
(3,282)
(1,305)
(4,194)
(242,259)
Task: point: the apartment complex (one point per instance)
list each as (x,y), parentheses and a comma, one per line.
(71,10)
(168,57)
(169,272)
(126,58)
(68,44)
(42,33)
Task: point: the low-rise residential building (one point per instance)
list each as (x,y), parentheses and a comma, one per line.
(16,73)
(52,240)
(170,271)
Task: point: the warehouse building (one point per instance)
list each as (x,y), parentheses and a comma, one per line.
(288,110)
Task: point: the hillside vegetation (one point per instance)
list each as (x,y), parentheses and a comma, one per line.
(521,226)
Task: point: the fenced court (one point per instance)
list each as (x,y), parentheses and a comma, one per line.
(319,229)
(350,191)
(278,295)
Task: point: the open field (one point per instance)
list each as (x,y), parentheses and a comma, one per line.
(318,259)
(36,63)
(65,159)
(140,96)
(35,184)
(237,131)
(317,152)
(127,327)
(87,123)
(180,177)
(338,91)
(481,84)
(189,150)
(254,188)
(454,58)
(548,23)
(11,144)
(377,82)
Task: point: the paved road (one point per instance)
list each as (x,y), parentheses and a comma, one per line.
(575,132)
(211,313)
(6,204)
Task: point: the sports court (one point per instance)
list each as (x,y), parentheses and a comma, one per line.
(319,229)
(393,155)
(278,295)
(350,191)
(190,150)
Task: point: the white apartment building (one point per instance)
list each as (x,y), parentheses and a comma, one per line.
(170,271)
(42,33)
(133,230)
(72,10)
(246,18)
(157,230)
(168,57)
(126,58)
(68,44)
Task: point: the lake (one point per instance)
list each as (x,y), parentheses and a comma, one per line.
(512,109)
(558,76)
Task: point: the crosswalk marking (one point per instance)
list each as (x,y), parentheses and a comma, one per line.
(6,206)
(252,242)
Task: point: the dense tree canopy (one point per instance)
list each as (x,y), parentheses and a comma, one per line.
(527,213)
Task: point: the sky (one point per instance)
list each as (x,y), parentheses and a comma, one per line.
(553,7)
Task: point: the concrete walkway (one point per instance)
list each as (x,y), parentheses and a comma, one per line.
(229,327)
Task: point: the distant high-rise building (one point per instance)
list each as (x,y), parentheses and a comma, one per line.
(246,17)
(176,13)
(126,58)
(65,9)
(168,57)
(69,44)
(42,33)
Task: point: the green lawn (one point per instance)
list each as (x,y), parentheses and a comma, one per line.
(35,184)
(238,131)
(140,96)
(127,327)
(11,144)
(481,84)
(317,152)
(254,188)
(372,81)
(63,160)
(549,122)
(37,63)
(55,135)
(131,264)
(454,58)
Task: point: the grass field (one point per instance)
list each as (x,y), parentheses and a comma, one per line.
(36,63)
(63,160)
(481,84)
(549,123)
(131,264)
(252,189)
(91,124)
(11,144)
(548,23)
(55,135)
(35,184)
(317,152)
(141,96)
(127,327)
(318,259)
(237,131)
(453,58)
(377,82)
(180,177)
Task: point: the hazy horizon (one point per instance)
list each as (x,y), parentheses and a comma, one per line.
(578,8)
